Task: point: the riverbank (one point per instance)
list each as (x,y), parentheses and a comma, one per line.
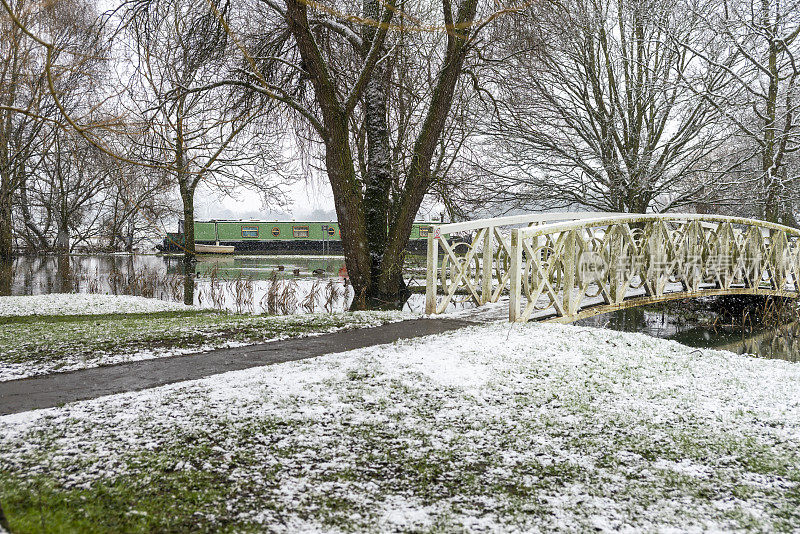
(55,333)
(497,427)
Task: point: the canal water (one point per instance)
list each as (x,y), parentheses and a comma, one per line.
(782,342)
(242,283)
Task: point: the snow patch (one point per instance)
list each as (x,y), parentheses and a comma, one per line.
(84,304)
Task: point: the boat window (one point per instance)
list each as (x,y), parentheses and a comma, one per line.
(249,231)
(300,231)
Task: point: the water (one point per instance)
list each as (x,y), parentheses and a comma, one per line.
(782,342)
(242,283)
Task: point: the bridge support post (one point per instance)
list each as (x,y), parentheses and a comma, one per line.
(569,263)
(488,256)
(515,279)
(430,276)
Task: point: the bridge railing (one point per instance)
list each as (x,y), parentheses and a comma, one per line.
(476,257)
(565,267)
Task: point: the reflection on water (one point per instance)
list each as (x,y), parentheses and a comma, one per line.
(252,283)
(189,281)
(258,267)
(782,342)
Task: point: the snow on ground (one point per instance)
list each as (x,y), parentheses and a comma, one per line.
(84,304)
(41,347)
(492,428)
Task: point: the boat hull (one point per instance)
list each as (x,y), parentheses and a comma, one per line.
(282,247)
(201,248)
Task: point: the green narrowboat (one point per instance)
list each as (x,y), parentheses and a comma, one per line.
(276,236)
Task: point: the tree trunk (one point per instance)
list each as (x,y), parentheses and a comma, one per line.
(129,236)
(187,197)
(349,209)
(418,182)
(772,199)
(6,277)
(62,238)
(6,222)
(188,282)
(35,237)
(65,276)
(378,179)
(375,230)
(770,158)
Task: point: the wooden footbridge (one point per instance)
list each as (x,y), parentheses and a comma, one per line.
(566,266)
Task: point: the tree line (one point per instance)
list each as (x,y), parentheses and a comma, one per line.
(111,121)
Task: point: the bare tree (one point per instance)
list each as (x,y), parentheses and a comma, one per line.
(21,92)
(756,42)
(198,137)
(28,110)
(598,108)
(136,205)
(70,191)
(336,72)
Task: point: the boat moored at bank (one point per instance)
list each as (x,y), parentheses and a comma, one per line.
(273,236)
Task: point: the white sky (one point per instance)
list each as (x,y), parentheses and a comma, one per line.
(306,197)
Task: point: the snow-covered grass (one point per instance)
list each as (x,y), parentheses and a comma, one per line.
(36,345)
(84,304)
(491,428)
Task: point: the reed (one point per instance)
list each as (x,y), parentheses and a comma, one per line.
(241,291)
(212,288)
(93,283)
(269,302)
(216,289)
(346,295)
(332,294)
(309,302)
(287,303)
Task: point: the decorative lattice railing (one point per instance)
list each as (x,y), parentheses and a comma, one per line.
(568,265)
(473,258)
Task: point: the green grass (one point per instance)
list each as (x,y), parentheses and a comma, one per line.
(166,503)
(56,319)
(52,343)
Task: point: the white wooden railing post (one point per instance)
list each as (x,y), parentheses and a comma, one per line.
(430,277)
(569,263)
(488,256)
(515,287)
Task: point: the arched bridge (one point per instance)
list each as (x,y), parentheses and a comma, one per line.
(567,266)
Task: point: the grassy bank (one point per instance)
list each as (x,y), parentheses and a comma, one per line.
(33,345)
(496,428)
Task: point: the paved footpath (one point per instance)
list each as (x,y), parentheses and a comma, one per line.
(60,388)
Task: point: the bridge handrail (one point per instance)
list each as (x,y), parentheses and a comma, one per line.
(634,218)
(452,228)
(490,241)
